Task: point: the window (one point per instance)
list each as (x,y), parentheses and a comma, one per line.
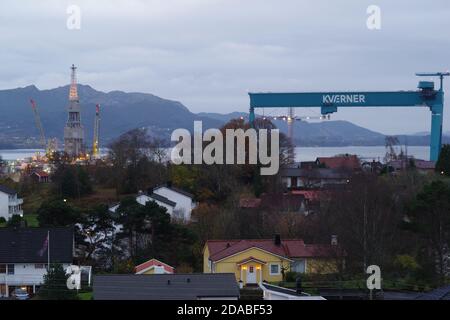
(274,269)
(39,266)
(2,268)
(251,269)
(299,266)
(10,269)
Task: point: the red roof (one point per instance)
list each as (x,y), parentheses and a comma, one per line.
(153,263)
(289,248)
(249,203)
(347,162)
(310,195)
(41,174)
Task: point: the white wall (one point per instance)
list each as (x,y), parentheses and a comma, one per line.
(25,274)
(184,203)
(4,210)
(143,199)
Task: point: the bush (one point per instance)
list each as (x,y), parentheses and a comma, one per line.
(2,220)
(292,276)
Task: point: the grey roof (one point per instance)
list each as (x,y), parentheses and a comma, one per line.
(158,197)
(7,190)
(284,290)
(319,173)
(24,245)
(169,186)
(165,286)
(442,293)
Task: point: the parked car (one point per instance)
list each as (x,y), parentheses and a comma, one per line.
(21,294)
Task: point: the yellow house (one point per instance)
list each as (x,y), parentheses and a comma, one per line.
(254,261)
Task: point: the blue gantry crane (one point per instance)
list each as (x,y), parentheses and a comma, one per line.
(329,102)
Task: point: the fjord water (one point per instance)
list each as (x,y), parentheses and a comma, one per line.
(301,153)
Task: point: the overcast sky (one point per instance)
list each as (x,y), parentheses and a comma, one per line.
(208,54)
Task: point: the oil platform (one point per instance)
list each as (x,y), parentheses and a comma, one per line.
(73,131)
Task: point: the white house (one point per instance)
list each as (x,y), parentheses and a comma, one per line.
(184,200)
(179,203)
(24,256)
(10,204)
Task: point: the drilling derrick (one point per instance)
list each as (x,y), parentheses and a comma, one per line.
(95,145)
(73,131)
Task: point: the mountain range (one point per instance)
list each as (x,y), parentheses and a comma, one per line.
(122,111)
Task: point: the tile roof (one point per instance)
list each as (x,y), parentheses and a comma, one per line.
(347,162)
(289,248)
(165,286)
(317,173)
(23,245)
(442,293)
(151,263)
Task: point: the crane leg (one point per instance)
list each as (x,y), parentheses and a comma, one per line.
(436,132)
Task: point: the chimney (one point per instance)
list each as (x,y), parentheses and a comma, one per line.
(334,240)
(277,239)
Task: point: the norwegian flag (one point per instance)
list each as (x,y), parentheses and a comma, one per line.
(44,246)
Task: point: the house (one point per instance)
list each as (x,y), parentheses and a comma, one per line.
(143,198)
(10,203)
(183,200)
(281,202)
(254,261)
(347,162)
(195,286)
(295,178)
(154,266)
(40,176)
(423,166)
(24,255)
(179,203)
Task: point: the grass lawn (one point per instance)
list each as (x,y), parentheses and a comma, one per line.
(85,296)
(31,220)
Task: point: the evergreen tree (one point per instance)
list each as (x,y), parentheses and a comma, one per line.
(55,285)
(443,163)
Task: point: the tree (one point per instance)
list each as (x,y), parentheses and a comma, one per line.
(57,213)
(71,181)
(443,163)
(430,218)
(55,285)
(16,221)
(97,228)
(390,143)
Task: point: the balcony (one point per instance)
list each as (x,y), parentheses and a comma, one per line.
(19,280)
(15,202)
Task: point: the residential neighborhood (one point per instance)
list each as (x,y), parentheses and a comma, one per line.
(224,159)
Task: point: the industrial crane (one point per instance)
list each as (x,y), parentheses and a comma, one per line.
(425,96)
(37,119)
(95,145)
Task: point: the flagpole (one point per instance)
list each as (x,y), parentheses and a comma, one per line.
(48,250)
